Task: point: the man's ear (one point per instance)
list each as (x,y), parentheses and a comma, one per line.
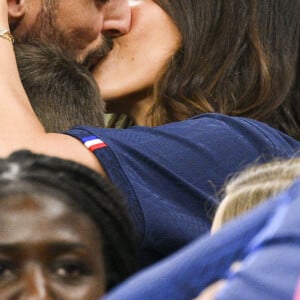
(16,10)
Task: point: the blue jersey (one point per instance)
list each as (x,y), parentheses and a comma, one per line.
(171,174)
(266,241)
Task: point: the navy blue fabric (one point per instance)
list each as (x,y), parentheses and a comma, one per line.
(170,174)
(266,241)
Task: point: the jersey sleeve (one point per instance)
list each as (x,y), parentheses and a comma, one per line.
(171,174)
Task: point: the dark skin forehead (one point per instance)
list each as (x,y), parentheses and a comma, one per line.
(44,231)
(37,212)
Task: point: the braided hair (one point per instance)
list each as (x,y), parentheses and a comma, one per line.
(88,192)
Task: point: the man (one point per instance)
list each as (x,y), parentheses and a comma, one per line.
(169,198)
(80,26)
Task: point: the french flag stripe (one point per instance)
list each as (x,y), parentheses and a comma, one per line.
(93,143)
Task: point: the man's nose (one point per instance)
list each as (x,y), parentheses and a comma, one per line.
(34,287)
(117,18)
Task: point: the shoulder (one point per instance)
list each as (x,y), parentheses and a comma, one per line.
(203,124)
(216,133)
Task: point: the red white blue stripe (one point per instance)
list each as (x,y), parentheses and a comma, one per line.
(93,143)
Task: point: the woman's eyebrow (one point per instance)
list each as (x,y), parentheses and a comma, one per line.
(56,247)
(59,247)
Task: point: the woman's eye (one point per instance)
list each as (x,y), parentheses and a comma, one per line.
(71,270)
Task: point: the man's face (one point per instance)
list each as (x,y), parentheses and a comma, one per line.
(75,25)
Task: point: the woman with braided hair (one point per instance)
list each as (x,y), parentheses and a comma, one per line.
(212,86)
(64,233)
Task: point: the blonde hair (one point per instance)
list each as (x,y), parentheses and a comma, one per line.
(255,185)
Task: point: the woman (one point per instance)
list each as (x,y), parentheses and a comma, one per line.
(184,58)
(65,232)
(170,173)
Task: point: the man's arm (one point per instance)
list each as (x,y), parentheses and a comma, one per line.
(19,126)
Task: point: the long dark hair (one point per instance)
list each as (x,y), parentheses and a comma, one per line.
(238,57)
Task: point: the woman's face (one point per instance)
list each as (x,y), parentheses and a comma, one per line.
(48,251)
(139,56)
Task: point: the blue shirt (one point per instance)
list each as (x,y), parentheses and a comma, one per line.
(266,241)
(171,174)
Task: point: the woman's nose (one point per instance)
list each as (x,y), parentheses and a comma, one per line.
(117,18)
(34,284)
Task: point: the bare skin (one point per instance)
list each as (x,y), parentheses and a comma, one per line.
(153,38)
(77,26)
(44,254)
(17,116)
(19,120)
(20,128)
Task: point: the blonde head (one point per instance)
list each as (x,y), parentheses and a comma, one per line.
(253,186)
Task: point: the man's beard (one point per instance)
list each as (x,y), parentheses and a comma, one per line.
(45,30)
(93,57)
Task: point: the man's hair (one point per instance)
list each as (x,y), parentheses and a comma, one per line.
(237,57)
(256,184)
(62,92)
(86,191)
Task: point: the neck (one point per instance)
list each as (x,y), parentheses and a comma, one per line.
(139,112)
(135,106)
